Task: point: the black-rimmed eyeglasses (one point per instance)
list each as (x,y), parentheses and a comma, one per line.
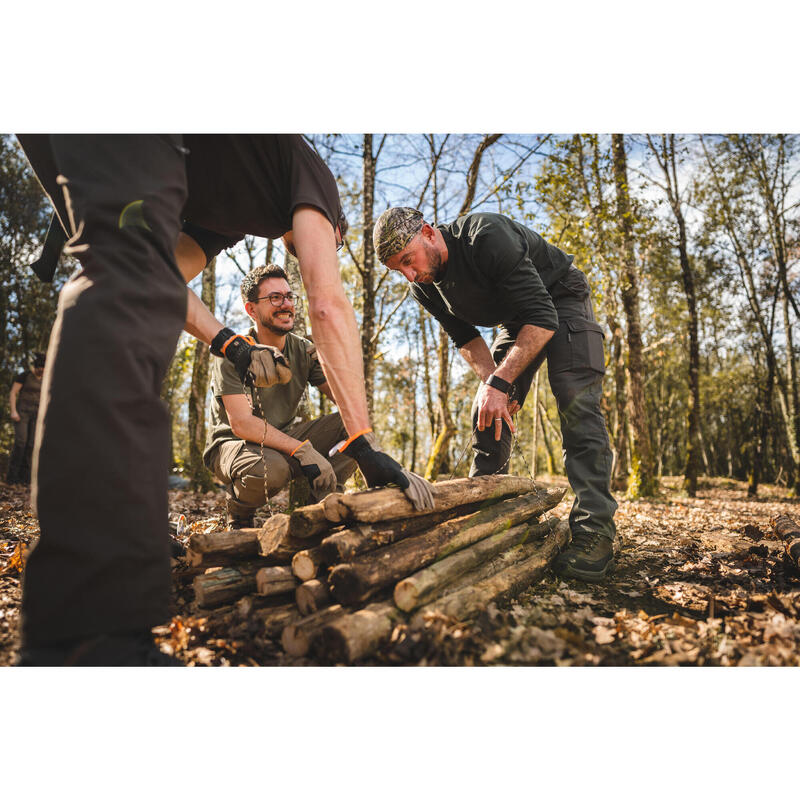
(277,298)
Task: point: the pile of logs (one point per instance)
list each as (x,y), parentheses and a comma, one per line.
(336,577)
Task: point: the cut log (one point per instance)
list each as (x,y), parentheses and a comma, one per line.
(380,505)
(428,583)
(306,563)
(788,530)
(277,544)
(224,585)
(312,596)
(297,637)
(470,600)
(274,620)
(346,544)
(251,603)
(309,520)
(222,548)
(275,580)
(354,582)
(356,635)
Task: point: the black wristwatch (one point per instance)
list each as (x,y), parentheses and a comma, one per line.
(498,383)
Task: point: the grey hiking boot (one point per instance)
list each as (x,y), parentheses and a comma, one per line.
(590,557)
(238,515)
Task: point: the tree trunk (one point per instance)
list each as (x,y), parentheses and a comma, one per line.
(642,478)
(197,472)
(354,582)
(367,272)
(431,582)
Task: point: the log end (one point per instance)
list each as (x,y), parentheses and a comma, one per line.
(345,585)
(406,595)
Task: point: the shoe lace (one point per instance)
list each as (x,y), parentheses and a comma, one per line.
(583,541)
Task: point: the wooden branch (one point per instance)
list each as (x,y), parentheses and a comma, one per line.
(297,637)
(247,606)
(354,582)
(275,580)
(277,543)
(274,620)
(428,583)
(470,600)
(353,636)
(306,563)
(785,527)
(235,544)
(380,505)
(312,596)
(309,520)
(224,585)
(346,544)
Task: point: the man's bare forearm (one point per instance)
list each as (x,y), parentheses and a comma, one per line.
(477,354)
(333,320)
(529,343)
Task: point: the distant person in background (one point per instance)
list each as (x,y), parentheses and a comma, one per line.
(24,404)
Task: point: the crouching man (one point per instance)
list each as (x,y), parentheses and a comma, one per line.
(254,445)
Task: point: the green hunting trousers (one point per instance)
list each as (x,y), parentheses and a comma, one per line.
(251,475)
(575,365)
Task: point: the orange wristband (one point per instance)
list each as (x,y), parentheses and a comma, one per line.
(345,445)
(298,447)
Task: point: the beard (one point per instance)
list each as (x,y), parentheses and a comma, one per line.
(434,259)
(277,326)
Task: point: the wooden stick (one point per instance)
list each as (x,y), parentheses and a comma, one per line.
(312,596)
(788,530)
(224,585)
(247,606)
(309,520)
(354,582)
(274,620)
(297,637)
(353,636)
(306,563)
(221,548)
(275,580)
(428,583)
(381,505)
(470,600)
(346,544)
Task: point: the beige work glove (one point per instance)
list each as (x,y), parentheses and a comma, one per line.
(380,469)
(317,470)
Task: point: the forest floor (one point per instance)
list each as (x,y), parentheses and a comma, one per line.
(699,581)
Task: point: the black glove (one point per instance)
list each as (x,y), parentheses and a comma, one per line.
(256,364)
(317,470)
(380,469)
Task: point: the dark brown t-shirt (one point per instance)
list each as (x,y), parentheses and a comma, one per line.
(28,397)
(251,184)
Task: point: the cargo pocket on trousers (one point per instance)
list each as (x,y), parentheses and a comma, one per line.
(576,346)
(228,451)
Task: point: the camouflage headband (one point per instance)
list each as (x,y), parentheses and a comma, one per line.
(395,228)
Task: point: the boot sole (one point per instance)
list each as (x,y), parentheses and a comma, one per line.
(585,575)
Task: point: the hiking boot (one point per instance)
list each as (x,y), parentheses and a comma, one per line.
(590,557)
(238,515)
(105,650)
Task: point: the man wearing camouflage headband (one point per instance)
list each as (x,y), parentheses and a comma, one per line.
(488,270)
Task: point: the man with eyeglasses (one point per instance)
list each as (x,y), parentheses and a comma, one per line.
(255,445)
(99,577)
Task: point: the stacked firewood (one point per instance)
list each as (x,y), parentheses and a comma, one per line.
(336,577)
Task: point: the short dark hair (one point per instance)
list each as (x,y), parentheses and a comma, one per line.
(38,360)
(252,280)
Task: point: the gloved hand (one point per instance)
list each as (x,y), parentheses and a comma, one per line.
(256,364)
(317,469)
(380,469)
